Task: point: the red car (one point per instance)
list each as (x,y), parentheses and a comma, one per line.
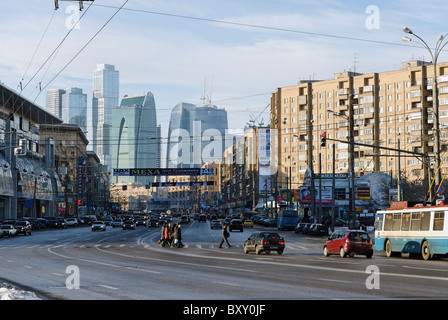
(349,242)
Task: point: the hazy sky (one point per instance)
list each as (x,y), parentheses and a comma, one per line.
(244,49)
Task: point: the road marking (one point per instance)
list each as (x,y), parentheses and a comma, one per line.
(108,287)
(333,280)
(28,267)
(226,283)
(57,274)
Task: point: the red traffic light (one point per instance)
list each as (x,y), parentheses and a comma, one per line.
(323,135)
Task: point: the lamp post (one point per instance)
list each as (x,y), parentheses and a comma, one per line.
(352,207)
(441,43)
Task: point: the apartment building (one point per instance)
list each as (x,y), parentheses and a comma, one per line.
(392,109)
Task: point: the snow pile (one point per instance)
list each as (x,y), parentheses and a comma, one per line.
(9,293)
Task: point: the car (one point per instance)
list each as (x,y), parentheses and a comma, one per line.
(202,217)
(72,222)
(153,222)
(306,228)
(318,230)
(140,222)
(23,227)
(117,223)
(264,242)
(128,224)
(248,223)
(8,230)
(270,222)
(108,221)
(299,227)
(349,242)
(98,225)
(236,224)
(215,224)
(59,223)
(184,219)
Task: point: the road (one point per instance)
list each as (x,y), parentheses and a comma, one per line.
(128,264)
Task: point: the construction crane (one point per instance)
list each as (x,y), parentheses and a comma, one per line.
(81,3)
(253,119)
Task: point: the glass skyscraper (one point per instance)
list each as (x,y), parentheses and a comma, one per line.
(105,98)
(135,137)
(74,107)
(196,135)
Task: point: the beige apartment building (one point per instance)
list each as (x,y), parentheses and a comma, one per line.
(392,109)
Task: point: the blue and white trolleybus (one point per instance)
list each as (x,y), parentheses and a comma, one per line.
(416,230)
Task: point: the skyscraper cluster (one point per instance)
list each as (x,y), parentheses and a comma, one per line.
(126,135)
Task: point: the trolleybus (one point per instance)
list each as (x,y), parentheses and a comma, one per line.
(415,230)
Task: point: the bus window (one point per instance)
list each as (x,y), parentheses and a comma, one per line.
(379,222)
(388,222)
(415,222)
(396,222)
(425,220)
(439,217)
(405,221)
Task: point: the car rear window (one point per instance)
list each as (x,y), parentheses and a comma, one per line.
(270,235)
(357,236)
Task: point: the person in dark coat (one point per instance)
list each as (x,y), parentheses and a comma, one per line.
(178,236)
(225,235)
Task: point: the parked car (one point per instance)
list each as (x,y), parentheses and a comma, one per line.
(215,224)
(248,223)
(318,230)
(264,242)
(8,230)
(306,228)
(236,224)
(128,224)
(23,227)
(98,225)
(270,222)
(72,222)
(299,227)
(349,242)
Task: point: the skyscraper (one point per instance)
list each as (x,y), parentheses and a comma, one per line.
(54,101)
(135,136)
(196,135)
(74,107)
(105,98)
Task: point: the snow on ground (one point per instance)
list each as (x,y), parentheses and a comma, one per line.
(8,292)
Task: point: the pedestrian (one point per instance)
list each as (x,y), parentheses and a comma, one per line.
(162,240)
(225,235)
(178,239)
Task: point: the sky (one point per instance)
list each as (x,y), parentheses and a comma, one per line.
(234,53)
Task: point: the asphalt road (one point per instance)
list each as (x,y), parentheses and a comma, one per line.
(128,264)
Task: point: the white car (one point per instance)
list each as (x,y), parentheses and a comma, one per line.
(72,222)
(9,230)
(98,225)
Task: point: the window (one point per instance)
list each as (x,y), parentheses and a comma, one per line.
(405,221)
(396,222)
(388,222)
(379,222)
(425,219)
(439,218)
(415,222)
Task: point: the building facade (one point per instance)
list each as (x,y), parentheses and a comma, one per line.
(105,98)
(196,135)
(74,107)
(136,137)
(392,109)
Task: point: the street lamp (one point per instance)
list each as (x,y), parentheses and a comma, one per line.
(441,43)
(352,207)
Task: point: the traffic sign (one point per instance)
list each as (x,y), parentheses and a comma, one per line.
(438,189)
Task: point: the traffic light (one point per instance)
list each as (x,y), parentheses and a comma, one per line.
(323,139)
